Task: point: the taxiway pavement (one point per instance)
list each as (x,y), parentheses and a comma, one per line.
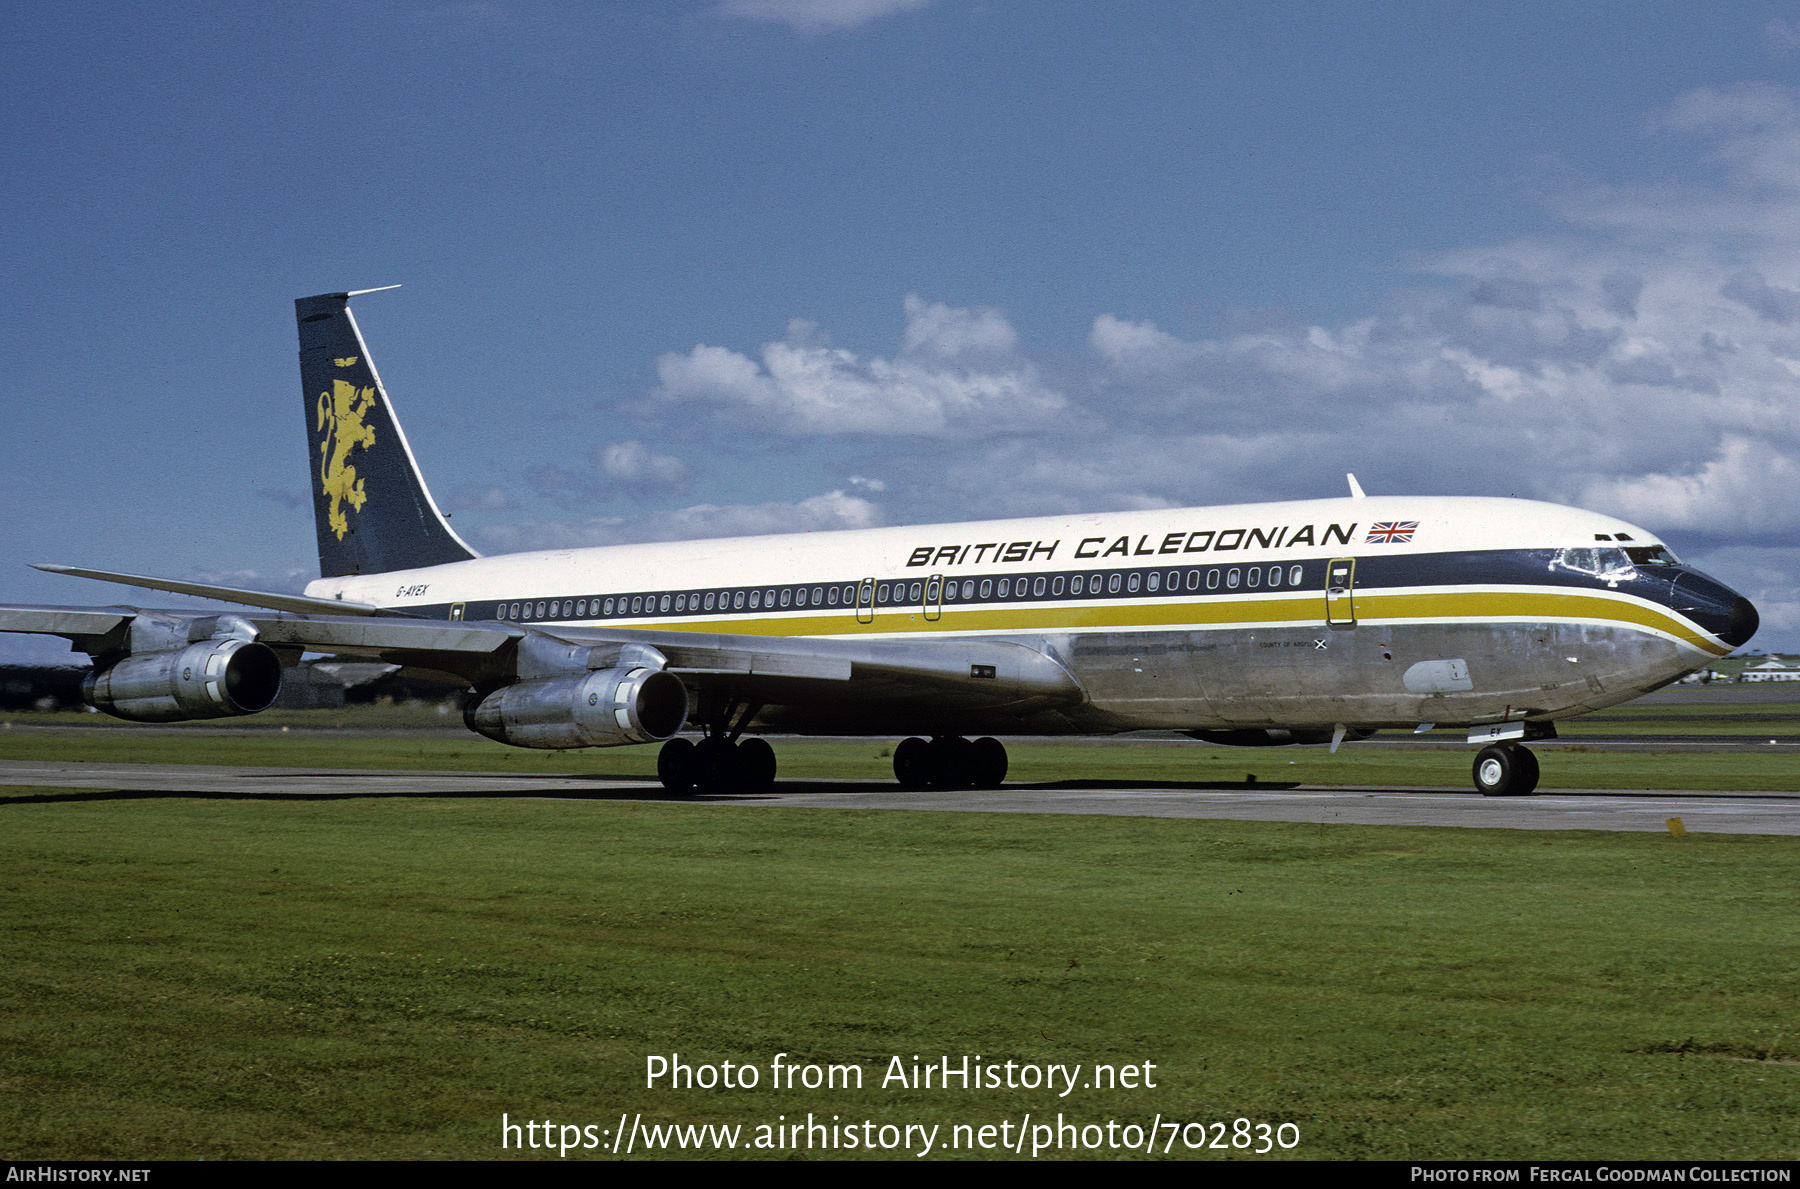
(1549,809)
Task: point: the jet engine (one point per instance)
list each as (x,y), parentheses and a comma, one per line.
(605,708)
(210,679)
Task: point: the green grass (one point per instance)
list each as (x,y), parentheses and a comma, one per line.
(384,978)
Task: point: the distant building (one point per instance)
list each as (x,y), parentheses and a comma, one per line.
(1771,669)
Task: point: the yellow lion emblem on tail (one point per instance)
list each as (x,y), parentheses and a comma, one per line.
(341,413)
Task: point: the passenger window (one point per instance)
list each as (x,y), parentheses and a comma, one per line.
(1193,580)
(681,602)
(968,589)
(1075,584)
(711,600)
(1153,581)
(987,587)
(1112,583)
(637,603)
(755,599)
(1005,586)
(1037,588)
(737,600)
(1254,577)
(1212,579)
(1056,585)
(787,596)
(1231,579)
(1294,575)
(1131,583)
(917,592)
(833,596)
(818,596)
(768,598)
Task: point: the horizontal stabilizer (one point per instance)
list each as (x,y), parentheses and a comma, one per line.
(298,604)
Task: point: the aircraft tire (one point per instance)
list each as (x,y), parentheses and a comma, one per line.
(987,763)
(1528,771)
(949,758)
(1499,772)
(715,765)
(676,766)
(755,766)
(912,763)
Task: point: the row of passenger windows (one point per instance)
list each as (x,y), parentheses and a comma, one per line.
(916,592)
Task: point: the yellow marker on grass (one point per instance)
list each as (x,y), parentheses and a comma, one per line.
(1676,828)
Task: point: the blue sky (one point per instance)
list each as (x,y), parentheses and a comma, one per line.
(702,268)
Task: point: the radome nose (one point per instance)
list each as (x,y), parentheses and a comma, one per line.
(1741,623)
(1714,606)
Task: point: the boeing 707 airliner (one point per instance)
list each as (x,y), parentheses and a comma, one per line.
(1312,621)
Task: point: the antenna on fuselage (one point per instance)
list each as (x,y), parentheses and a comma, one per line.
(1356,491)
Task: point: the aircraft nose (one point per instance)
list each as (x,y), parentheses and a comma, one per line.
(1716,607)
(1742,623)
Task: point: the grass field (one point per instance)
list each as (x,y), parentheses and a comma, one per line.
(386,977)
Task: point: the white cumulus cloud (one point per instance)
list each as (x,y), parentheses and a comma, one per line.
(816,16)
(958,372)
(831,510)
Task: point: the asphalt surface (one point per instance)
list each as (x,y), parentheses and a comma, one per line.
(1550,809)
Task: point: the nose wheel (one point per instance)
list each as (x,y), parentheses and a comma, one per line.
(1505,771)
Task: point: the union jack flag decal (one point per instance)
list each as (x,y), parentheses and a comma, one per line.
(1387,532)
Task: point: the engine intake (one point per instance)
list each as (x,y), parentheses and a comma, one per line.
(211,679)
(605,708)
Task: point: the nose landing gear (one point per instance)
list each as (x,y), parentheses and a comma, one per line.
(1505,771)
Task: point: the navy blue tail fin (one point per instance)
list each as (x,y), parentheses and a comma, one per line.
(370,504)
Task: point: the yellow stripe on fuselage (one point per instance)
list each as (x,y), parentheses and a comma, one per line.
(1308,610)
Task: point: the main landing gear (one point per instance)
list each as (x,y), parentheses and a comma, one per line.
(1505,771)
(719,763)
(950,762)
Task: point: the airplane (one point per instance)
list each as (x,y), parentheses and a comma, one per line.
(1311,621)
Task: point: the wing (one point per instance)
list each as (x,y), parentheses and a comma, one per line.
(805,684)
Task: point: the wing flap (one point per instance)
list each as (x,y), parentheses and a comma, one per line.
(64,621)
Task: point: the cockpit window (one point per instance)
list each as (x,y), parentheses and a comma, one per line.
(1652,555)
(1602,563)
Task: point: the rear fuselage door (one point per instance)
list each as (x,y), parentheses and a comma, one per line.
(865,601)
(1340,593)
(934,596)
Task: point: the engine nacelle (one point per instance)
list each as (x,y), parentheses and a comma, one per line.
(600,709)
(211,679)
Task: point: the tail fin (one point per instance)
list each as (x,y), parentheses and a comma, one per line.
(370,504)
